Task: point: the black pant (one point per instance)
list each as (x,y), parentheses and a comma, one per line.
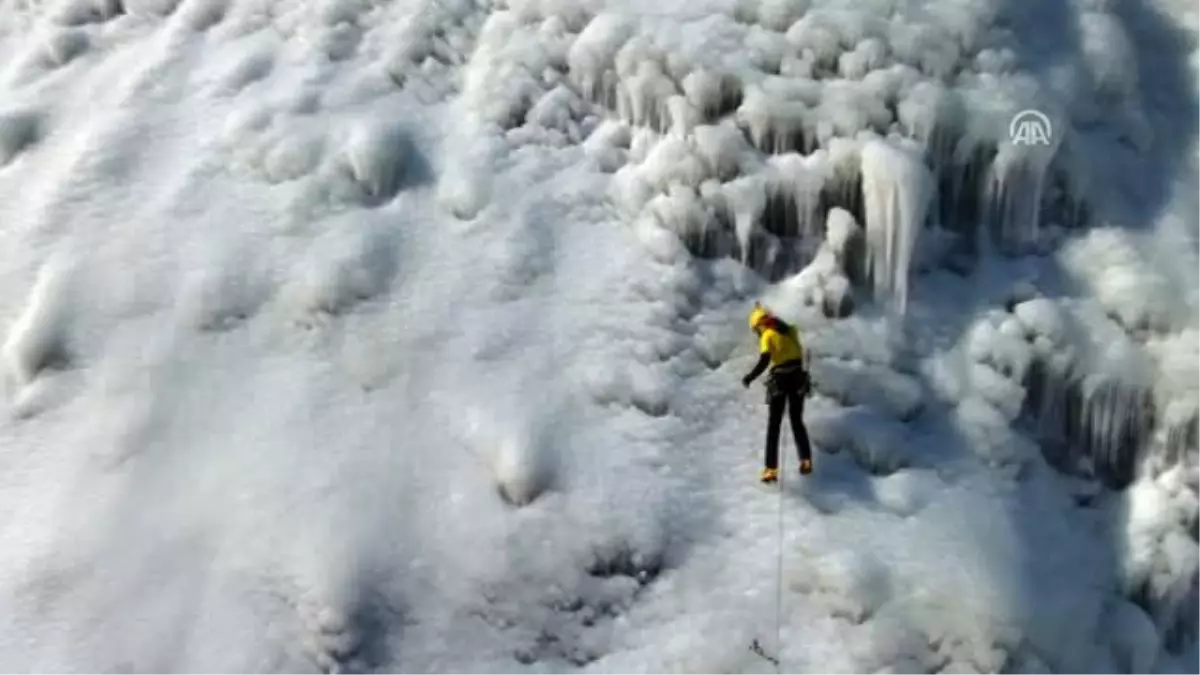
(788,393)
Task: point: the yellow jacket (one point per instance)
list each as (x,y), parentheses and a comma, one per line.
(781,346)
(778,343)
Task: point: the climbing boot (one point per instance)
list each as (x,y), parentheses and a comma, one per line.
(769,475)
(805,467)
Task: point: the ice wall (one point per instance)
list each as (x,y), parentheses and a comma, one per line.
(902,123)
(836,150)
(779,109)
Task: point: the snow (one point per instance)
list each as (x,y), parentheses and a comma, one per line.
(38,338)
(871,385)
(1110,57)
(380,158)
(407,336)
(1042,318)
(1110,264)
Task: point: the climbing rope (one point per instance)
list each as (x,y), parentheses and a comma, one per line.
(755,645)
(779,579)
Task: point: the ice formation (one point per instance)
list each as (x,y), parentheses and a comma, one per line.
(774,125)
(713,94)
(1109,263)
(841,80)
(896,189)
(457,203)
(976,181)
(1098,419)
(1014,196)
(1162,567)
(1087,388)
(1177,358)
(1104,398)
(1182,424)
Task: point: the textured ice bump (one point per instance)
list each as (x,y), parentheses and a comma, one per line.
(382,159)
(18,131)
(871,385)
(38,340)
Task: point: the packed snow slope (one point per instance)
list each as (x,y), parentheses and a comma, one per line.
(365,335)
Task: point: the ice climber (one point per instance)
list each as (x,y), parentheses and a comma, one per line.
(788,384)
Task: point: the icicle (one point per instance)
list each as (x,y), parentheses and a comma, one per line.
(843,188)
(1014,195)
(1094,408)
(682,116)
(896,192)
(1048,385)
(642,100)
(721,240)
(797,182)
(590,58)
(630,57)
(1116,418)
(670,161)
(1171,597)
(643,85)
(712,94)
(722,147)
(682,212)
(962,185)
(850,107)
(747,198)
(932,115)
(775,126)
(609,90)
(1182,430)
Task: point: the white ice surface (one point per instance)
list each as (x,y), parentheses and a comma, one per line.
(350,335)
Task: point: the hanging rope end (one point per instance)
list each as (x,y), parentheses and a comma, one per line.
(757,648)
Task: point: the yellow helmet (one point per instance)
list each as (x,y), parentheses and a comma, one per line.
(758,315)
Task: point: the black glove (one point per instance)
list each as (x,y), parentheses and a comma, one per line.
(759,368)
